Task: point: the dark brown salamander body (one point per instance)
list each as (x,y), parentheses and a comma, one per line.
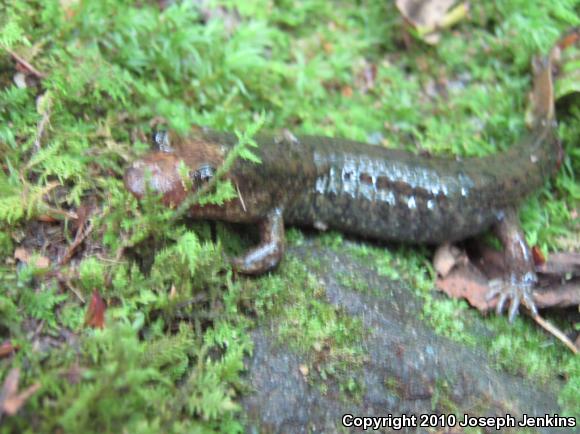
(363,189)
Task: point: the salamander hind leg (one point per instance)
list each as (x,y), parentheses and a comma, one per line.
(268,253)
(518,287)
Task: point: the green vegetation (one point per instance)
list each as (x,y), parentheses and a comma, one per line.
(177,321)
(329,337)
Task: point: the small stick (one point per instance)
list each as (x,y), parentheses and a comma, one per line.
(24,63)
(82,233)
(550,328)
(75,292)
(241,198)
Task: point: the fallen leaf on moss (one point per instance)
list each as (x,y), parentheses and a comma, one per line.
(95,316)
(7,348)
(446,258)
(466,282)
(10,399)
(25,256)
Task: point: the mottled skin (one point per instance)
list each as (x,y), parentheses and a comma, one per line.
(366,190)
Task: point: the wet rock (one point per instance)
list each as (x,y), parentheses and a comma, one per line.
(408,370)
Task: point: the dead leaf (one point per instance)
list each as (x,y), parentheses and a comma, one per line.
(539,258)
(83,227)
(446,257)
(561,263)
(469,282)
(346,91)
(428,16)
(25,256)
(466,282)
(563,295)
(95,316)
(46,218)
(7,348)
(10,400)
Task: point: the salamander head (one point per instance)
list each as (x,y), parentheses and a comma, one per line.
(176,170)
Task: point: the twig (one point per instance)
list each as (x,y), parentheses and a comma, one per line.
(550,328)
(241,198)
(59,212)
(82,233)
(26,64)
(75,292)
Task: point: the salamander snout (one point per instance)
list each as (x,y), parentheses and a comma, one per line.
(158,173)
(165,174)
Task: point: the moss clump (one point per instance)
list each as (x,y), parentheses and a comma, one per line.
(176,326)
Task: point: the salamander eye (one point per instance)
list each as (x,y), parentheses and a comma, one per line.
(202,175)
(160,140)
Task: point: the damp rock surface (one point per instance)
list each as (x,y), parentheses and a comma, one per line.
(408,368)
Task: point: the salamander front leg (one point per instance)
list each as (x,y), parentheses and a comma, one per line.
(518,288)
(268,253)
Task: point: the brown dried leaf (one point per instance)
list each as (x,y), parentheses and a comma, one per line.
(467,282)
(446,257)
(24,255)
(470,283)
(10,400)
(561,263)
(95,316)
(346,91)
(7,348)
(539,258)
(46,218)
(558,295)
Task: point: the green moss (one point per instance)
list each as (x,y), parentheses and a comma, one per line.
(326,335)
(91,274)
(177,322)
(519,348)
(351,280)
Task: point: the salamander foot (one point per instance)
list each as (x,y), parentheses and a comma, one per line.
(514,292)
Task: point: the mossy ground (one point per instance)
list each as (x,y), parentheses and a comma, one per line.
(177,320)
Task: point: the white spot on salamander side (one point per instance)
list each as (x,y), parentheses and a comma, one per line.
(387,196)
(411,203)
(320,186)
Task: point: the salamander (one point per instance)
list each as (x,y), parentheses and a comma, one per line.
(365,190)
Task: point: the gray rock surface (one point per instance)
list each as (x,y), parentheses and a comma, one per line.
(407,366)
